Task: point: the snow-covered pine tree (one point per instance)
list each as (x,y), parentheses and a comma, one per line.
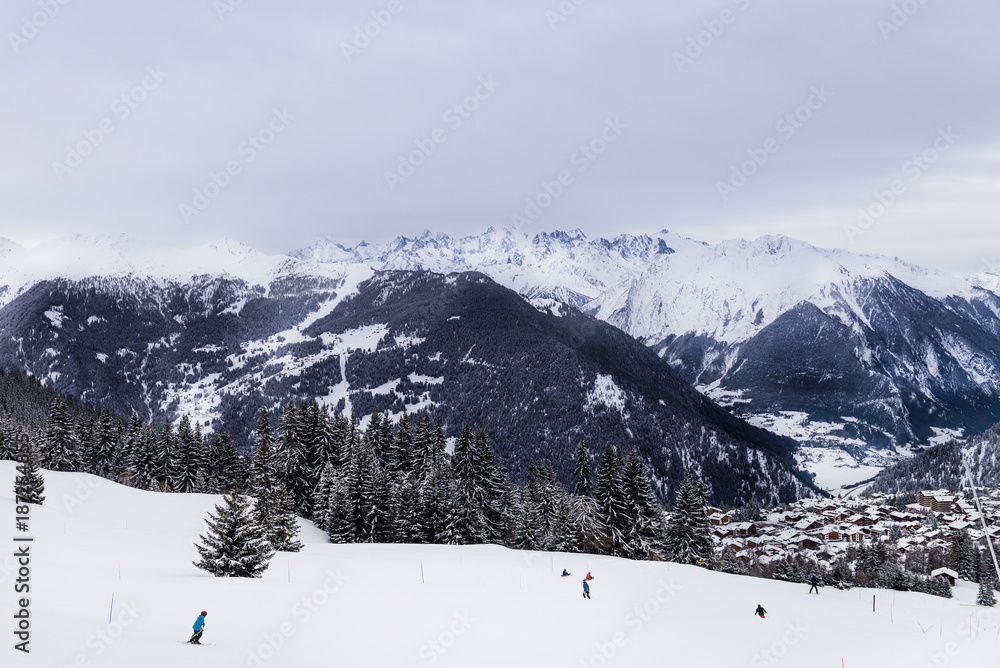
(436,501)
(300,435)
(582,485)
(283,523)
(987,580)
(471,472)
(401,452)
(103,444)
(60,448)
(9,444)
(408,527)
(340,523)
(186,458)
(611,496)
(224,461)
(688,538)
(165,445)
(591,535)
(648,523)
(730,564)
(29,486)
(321,496)
(234,545)
(964,557)
(142,455)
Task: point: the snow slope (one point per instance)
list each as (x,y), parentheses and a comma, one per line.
(406,605)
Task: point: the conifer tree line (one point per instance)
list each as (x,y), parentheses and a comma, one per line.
(392,481)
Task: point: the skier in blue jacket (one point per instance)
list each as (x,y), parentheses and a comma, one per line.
(199,628)
(586,589)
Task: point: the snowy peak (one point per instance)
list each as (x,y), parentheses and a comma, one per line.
(107,257)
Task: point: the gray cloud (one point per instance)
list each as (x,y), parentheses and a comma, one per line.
(687,127)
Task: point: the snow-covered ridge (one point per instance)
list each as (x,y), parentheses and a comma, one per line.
(658,285)
(81,257)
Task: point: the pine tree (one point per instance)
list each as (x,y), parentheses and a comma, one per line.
(964,557)
(61,450)
(29,486)
(612,501)
(186,458)
(688,538)
(234,544)
(582,486)
(987,580)
(103,445)
(224,462)
(340,522)
(646,539)
(143,453)
(283,525)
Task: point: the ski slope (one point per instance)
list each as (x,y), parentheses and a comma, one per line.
(405,606)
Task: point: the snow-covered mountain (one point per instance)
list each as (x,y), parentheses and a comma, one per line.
(222,331)
(827,346)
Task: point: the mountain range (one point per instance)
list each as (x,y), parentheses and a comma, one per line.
(222,331)
(860,359)
(869,355)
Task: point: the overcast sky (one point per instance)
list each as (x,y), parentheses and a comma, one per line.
(670,98)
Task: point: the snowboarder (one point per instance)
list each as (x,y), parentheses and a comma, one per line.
(814,584)
(760,611)
(565,573)
(586,590)
(199,628)
(589,576)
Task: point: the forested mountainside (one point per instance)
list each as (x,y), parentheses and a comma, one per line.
(537,376)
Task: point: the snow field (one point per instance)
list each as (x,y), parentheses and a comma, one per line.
(412,606)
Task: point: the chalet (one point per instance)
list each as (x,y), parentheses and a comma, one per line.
(946,574)
(720,518)
(745,529)
(806,543)
(810,524)
(832,534)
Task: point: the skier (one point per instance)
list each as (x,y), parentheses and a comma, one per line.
(565,573)
(199,628)
(586,590)
(814,584)
(760,611)
(589,576)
